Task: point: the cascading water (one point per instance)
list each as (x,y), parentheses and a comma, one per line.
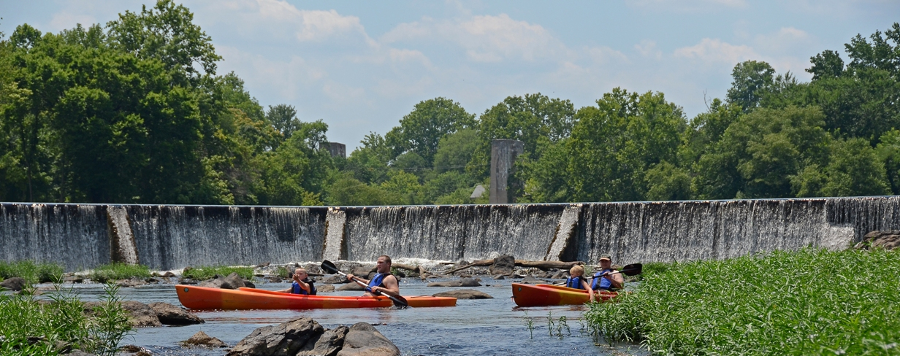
(169,236)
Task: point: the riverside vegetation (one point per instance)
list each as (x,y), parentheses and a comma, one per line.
(792,303)
(31,327)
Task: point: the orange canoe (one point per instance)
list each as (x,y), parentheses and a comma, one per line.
(414,301)
(194,297)
(528,295)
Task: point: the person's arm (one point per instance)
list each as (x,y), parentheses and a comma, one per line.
(391,287)
(350,278)
(303,285)
(587,286)
(615,280)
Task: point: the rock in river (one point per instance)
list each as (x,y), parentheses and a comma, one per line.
(464,294)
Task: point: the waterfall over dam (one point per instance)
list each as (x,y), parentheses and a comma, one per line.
(82,236)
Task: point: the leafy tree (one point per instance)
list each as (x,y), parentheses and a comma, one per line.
(455,150)
(758,154)
(402,188)
(888,151)
(421,130)
(665,181)
(284,118)
(347,191)
(369,163)
(166,32)
(615,143)
(750,79)
(854,169)
(827,64)
(534,119)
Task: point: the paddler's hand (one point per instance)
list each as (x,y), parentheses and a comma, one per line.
(349,277)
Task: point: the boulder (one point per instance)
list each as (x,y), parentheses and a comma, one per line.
(249,284)
(351,286)
(464,294)
(334,279)
(209,283)
(463,282)
(503,265)
(132,282)
(169,314)
(232,281)
(532,280)
(887,240)
(203,340)
(327,344)
(560,275)
(14,283)
(283,339)
(327,288)
(364,339)
(139,314)
(363,271)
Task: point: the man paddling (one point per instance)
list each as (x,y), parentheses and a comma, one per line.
(604,279)
(383,282)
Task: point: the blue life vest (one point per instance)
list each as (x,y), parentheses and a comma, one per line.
(295,288)
(574,282)
(377,281)
(600,282)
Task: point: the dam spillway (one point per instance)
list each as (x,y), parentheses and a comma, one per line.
(82,236)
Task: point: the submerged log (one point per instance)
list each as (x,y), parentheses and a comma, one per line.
(544,265)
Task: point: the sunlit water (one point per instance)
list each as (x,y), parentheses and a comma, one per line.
(485,327)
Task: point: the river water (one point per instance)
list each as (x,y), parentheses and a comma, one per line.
(485,327)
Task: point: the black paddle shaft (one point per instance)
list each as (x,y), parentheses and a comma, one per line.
(331,268)
(629,270)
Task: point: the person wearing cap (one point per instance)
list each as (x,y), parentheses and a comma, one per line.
(605,279)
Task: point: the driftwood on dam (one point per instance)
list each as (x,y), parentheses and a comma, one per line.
(543,265)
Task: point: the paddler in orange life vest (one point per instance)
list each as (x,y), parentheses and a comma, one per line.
(604,280)
(577,281)
(384,282)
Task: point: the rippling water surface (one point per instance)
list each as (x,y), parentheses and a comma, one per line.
(486,326)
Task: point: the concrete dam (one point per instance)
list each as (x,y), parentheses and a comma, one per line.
(83,236)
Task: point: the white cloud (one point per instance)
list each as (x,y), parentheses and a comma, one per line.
(484,38)
(714,50)
(687,5)
(605,55)
(67,20)
(785,38)
(647,48)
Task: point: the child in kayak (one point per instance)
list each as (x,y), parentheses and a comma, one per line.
(301,284)
(577,280)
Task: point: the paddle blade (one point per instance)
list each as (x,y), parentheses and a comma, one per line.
(399,301)
(632,269)
(330,267)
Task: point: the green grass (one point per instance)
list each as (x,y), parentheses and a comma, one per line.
(115,271)
(32,272)
(798,303)
(30,327)
(207,272)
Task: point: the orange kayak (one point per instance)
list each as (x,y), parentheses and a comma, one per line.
(194,297)
(414,301)
(528,295)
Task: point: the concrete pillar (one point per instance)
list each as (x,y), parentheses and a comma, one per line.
(503,159)
(336,149)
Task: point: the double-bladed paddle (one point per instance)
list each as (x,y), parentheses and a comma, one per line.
(399,301)
(628,270)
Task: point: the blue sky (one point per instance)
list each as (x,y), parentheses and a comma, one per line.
(360,66)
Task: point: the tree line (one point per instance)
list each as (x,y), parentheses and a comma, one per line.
(135,112)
